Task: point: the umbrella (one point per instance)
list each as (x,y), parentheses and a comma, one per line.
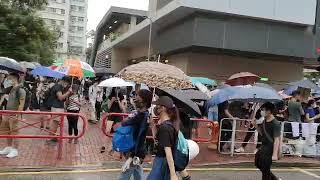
(181,100)
(283,95)
(28,65)
(155,74)
(75,68)
(242,78)
(10,65)
(47,72)
(203,80)
(194,94)
(303,84)
(115,82)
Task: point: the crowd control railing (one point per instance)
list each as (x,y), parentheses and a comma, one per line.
(229,130)
(209,125)
(106,129)
(300,139)
(20,117)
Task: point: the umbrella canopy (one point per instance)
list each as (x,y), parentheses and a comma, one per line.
(242,78)
(156,74)
(194,94)
(302,83)
(244,93)
(75,68)
(10,65)
(181,100)
(115,82)
(28,65)
(203,80)
(47,72)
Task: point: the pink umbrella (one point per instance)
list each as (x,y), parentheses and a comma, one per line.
(242,78)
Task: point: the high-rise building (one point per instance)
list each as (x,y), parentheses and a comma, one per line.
(69,19)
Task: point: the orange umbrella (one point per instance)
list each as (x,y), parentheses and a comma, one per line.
(242,78)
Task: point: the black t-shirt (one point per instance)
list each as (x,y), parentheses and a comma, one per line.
(221,110)
(166,137)
(269,131)
(55,102)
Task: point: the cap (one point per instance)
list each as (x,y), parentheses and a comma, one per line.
(164,101)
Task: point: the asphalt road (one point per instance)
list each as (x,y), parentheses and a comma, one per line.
(202,173)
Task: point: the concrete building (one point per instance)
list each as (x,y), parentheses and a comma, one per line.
(214,38)
(69,19)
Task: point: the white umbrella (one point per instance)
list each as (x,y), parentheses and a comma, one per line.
(115,82)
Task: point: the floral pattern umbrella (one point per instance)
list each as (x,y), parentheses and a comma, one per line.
(155,74)
(75,68)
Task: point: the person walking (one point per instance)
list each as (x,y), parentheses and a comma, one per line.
(270,137)
(16,100)
(73,106)
(133,165)
(57,99)
(166,136)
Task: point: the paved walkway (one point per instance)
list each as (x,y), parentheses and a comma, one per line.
(35,153)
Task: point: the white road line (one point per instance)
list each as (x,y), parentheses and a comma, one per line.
(308,173)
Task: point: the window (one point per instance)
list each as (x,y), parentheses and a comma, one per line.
(50,9)
(72,28)
(63,1)
(73,8)
(73,18)
(80,19)
(63,11)
(60,45)
(80,28)
(81,8)
(53,22)
(62,22)
(61,34)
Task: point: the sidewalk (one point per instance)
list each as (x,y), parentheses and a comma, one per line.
(35,154)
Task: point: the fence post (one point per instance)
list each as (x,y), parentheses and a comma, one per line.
(234,127)
(60,143)
(281,139)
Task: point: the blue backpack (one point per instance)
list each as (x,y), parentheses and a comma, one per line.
(181,152)
(123,140)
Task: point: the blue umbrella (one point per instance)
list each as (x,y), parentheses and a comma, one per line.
(47,72)
(220,96)
(203,80)
(303,83)
(254,94)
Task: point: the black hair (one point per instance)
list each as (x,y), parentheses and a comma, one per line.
(16,75)
(268,106)
(295,93)
(310,102)
(146,96)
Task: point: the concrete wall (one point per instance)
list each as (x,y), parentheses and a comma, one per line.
(220,67)
(119,59)
(294,11)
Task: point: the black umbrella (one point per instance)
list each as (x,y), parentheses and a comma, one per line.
(10,65)
(181,100)
(194,94)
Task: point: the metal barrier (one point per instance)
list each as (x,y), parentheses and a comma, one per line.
(18,115)
(288,139)
(233,131)
(213,126)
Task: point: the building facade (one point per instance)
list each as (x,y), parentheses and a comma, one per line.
(69,19)
(216,39)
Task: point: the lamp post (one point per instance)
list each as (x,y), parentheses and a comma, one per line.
(150,37)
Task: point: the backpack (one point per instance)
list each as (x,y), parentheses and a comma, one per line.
(27,99)
(180,152)
(123,140)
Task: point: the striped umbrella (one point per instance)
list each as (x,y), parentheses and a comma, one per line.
(75,68)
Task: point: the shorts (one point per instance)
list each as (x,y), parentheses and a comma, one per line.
(57,118)
(9,123)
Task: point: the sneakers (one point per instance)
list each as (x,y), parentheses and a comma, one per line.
(5,151)
(13,153)
(239,150)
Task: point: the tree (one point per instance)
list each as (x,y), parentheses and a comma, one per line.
(23,35)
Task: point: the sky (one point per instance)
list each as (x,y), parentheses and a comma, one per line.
(98,8)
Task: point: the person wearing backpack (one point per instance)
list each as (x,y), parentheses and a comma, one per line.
(16,101)
(140,124)
(166,137)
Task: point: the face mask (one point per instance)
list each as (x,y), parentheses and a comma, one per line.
(263,114)
(7,83)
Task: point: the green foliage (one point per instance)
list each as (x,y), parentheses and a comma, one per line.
(23,35)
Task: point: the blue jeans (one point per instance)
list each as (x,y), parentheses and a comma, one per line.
(136,170)
(160,169)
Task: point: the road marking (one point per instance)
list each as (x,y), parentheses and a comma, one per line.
(305,171)
(308,173)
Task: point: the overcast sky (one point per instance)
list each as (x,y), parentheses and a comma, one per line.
(98,8)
